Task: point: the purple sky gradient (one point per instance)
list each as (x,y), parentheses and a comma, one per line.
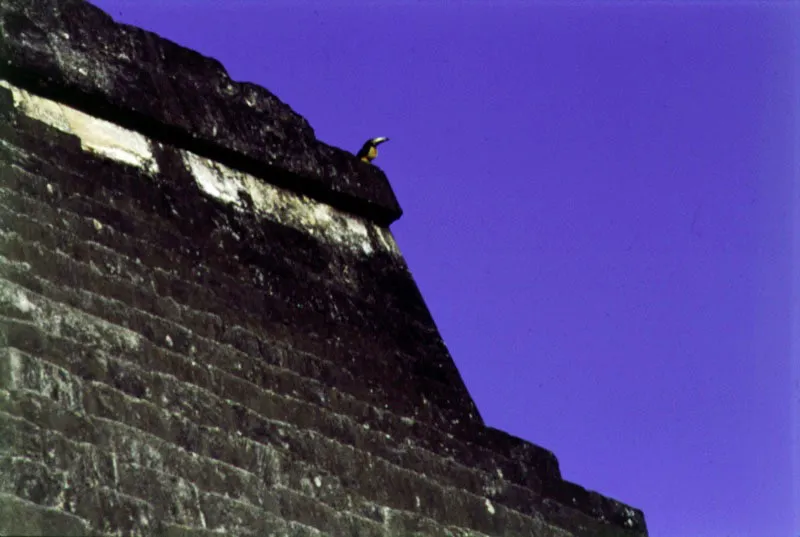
(600,210)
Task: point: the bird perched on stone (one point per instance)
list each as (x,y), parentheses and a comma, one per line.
(369,150)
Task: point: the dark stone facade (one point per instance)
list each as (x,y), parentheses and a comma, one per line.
(206,326)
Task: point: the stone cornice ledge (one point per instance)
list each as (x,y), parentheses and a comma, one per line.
(71,51)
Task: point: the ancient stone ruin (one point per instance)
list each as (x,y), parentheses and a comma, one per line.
(207,327)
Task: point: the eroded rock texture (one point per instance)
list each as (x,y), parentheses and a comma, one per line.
(206,325)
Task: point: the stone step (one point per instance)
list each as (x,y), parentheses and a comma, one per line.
(160,389)
(299,476)
(507,494)
(211,425)
(136,373)
(23,517)
(78,468)
(127,198)
(275,314)
(566,492)
(214,506)
(178,530)
(71,492)
(260,252)
(32,480)
(307,303)
(125,447)
(222,512)
(319,369)
(162,311)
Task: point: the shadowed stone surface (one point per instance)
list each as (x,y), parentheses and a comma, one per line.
(74,52)
(207,327)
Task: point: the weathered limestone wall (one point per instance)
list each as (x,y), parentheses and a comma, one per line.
(201,335)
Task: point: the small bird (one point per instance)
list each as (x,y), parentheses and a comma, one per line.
(369,150)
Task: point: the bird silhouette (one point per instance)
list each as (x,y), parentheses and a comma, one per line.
(369,150)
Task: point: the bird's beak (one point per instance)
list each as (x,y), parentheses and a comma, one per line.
(380,140)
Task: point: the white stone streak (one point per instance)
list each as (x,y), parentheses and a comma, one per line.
(300,212)
(96,135)
(387,240)
(15,369)
(223,183)
(22,303)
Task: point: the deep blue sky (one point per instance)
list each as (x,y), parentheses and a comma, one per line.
(599,210)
